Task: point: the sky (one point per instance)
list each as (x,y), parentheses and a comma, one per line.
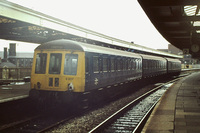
(122,19)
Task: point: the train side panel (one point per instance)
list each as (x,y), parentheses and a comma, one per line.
(105,70)
(153,66)
(173,66)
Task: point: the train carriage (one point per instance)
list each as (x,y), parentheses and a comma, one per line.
(106,67)
(153,66)
(173,66)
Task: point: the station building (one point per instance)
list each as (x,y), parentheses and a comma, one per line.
(19,59)
(14,66)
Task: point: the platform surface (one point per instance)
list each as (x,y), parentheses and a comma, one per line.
(14,91)
(178,111)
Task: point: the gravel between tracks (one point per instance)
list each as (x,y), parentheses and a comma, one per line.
(90,120)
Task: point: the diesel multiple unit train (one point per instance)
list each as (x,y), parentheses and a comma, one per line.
(64,69)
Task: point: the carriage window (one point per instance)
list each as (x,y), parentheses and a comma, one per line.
(134,64)
(119,64)
(95,64)
(129,64)
(40,67)
(55,63)
(139,64)
(124,64)
(145,64)
(105,64)
(71,62)
(112,64)
(87,65)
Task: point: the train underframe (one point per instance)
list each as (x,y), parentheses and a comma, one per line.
(53,98)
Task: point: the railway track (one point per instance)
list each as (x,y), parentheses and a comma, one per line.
(49,121)
(44,121)
(132,117)
(38,123)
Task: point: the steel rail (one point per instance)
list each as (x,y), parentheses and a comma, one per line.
(127,107)
(17,123)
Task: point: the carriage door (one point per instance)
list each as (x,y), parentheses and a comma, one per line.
(54,69)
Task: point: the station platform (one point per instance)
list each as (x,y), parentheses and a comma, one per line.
(178,111)
(14,91)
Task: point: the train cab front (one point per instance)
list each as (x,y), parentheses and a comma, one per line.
(57,75)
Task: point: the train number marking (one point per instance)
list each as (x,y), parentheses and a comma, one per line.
(69,78)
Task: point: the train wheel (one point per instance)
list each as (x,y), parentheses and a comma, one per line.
(83,101)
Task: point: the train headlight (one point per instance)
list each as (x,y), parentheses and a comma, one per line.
(70,87)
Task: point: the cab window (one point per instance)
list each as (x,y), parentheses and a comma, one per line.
(55,63)
(71,62)
(40,67)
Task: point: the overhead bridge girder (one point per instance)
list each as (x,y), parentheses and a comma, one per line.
(24,24)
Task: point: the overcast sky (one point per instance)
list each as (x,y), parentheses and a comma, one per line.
(122,19)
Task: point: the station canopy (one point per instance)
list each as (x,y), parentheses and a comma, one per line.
(178,21)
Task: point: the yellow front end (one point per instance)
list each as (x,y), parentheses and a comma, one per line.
(58,70)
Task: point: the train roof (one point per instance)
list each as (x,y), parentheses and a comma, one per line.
(151,57)
(85,47)
(173,60)
(80,46)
